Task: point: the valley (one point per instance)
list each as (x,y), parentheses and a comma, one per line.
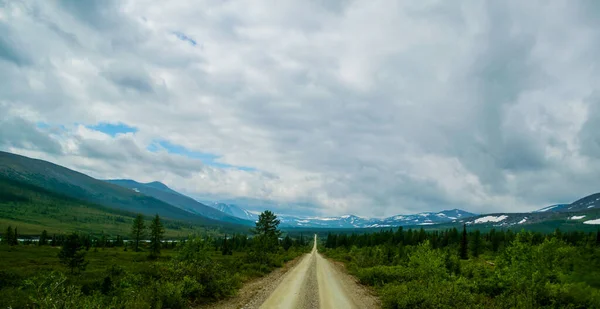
(228,249)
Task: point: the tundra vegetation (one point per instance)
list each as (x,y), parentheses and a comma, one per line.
(470,269)
(107,271)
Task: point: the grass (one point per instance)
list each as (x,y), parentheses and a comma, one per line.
(131,272)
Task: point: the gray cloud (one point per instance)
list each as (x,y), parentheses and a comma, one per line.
(11,49)
(19,133)
(482,106)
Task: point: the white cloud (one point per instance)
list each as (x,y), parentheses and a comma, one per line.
(363,107)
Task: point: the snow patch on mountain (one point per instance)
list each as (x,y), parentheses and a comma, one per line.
(487,219)
(596,221)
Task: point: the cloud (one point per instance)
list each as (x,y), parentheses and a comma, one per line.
(372,108)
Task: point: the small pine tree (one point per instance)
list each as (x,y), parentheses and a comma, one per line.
(287,243)
(102,241)
(72,254)
(156,234)
(138,231)
(43,238)
(15,240)
(226,248)
(464,255)
(8,236)
(598,238)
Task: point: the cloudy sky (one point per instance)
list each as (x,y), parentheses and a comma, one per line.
(318,107)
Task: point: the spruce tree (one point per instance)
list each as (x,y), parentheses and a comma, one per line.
(267,231)
(138,231)
(226,248)
(15,240)
(43,238)
(71,254)
(8,236)
(156,234)
(463,244)
(102,241)
(287,243)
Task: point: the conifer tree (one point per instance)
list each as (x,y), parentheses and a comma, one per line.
(226,248)
(71,254)
(15,240)
(463,244)
(156,234)
(43,238)
(267,231)
(287,243)
(138,231)
(8,236)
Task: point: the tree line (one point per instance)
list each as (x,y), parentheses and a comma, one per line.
(471,242)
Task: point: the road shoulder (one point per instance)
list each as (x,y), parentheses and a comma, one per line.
(256,291)
(362,296)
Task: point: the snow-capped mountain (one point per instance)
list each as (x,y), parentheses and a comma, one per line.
(350,221)
(235,211)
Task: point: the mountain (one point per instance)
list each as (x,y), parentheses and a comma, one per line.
(589,202)
(350,221)
(33,209)
(163,193)
(64,181)
(585,210)
(235,211)
(552,208)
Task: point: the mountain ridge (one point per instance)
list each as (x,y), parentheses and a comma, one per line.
(162,192)
(62,180)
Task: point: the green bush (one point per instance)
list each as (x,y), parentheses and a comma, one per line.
(381,275)
(527,271)
(436,294)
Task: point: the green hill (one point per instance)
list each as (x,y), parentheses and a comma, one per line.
(33,209)
(64,181)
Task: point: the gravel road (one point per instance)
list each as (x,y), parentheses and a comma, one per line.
(310,282)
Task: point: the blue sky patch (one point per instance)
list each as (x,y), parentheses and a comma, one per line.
(182,36)
(113,129)
(206,158)
(42,125)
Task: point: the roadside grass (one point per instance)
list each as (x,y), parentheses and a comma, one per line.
(126,270)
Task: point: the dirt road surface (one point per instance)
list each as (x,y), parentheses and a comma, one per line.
(312,282)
